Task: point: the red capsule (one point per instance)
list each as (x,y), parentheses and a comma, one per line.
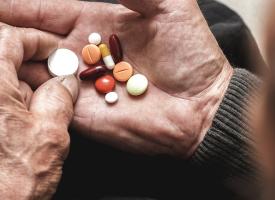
(93,73)
(115,48)
(105,84)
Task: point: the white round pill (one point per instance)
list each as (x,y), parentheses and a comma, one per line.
(94,38)
(63,62)
(137,85)
(111,97)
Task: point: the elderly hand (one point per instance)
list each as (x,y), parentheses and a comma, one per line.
(167,40)
(33,126)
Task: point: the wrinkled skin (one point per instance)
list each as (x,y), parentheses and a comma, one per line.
(167,40)
(34,140)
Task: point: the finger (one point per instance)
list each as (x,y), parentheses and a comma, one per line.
(53,101)
(34,74)
(52,106)
(26,92)
(144,7)
(22,44)
(57,16)
(37,45)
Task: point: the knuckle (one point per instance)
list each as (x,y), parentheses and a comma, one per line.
(57,138)
(4,28)
(11,46)
(7,31)
(8,93)
(12,120)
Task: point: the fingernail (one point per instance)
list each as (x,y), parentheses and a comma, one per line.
(71,83)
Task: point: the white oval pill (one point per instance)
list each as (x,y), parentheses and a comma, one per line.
(94,38)
(63,62)
(137,85)
(111,97)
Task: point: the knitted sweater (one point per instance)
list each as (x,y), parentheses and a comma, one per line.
(227,151)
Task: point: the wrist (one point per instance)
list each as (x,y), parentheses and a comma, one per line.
(209,101)
(227,149)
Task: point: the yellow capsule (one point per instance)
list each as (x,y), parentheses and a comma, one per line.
(107,57)
(104,50)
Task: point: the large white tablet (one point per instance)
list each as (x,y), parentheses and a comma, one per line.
(63,62)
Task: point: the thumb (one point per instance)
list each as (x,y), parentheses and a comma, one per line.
(53,101)
(144,7)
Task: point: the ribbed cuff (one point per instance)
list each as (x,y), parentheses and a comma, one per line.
(227,149)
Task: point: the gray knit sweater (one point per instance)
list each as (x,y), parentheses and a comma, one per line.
(227,149)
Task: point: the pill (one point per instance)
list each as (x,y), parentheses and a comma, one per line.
(93,72)
(123,71)
(63,62)
(111,97)
(91,54)
(115,47)
(137,85)
(107,57)
(105,84)
(94,38)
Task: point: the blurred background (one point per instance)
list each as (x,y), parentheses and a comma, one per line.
(253,13)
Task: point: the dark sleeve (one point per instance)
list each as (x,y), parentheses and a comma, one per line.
(227,150)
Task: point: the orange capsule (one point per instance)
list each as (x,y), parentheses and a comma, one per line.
(123,71)
(91,54)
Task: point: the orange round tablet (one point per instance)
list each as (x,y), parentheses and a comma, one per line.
(91,54)
(123,71)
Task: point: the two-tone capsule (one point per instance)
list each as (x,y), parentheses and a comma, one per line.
(107,57)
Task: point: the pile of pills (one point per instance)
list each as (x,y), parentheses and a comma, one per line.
(105,67)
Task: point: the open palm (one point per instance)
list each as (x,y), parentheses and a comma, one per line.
(168,41)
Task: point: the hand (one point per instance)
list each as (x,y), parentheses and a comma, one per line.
(168,41)
(33,126)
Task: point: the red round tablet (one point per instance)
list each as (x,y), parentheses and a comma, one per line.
(105,84)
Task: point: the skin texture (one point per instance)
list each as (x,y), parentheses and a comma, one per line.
(173,47)
(34,140)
